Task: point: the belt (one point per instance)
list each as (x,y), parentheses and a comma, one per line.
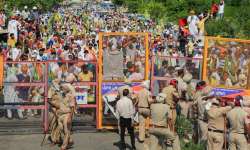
(155,126)
(218,131)
(143,107)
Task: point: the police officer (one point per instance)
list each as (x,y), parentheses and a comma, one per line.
(54,97)
(187,93)
(202,118)
(159,132)
(197,114)
(172,97)
(144,100)
(67,110)
(216,124)
(236,120)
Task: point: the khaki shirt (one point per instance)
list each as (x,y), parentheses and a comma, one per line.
(70,88)
(144,98)
(170,92)
(216,119)
(236,118)
(201,108)
(160,114)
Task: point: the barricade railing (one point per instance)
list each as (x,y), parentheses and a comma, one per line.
(163,68)
(22,78)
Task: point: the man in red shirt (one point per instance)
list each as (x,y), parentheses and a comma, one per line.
(214,9)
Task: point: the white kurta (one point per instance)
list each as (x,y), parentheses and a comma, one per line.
(13,27)
(192,25)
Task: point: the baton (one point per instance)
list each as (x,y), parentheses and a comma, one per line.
(45,132)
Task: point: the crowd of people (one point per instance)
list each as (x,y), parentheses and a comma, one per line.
(67,37)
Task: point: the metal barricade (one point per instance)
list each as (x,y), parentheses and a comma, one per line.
(163,68)
(25,93)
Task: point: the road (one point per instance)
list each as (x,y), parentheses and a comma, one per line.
(83,141)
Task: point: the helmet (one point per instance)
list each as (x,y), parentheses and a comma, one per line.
(25,7)
(34,8)
(173,82)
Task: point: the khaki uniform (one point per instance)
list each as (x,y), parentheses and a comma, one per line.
(54,99)
(202,120)
(159,132)
(216,127)
(171,93)
(63,106)
(236,118)
(144,111)
(65,121)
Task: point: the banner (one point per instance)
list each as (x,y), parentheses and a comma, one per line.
(81,95)
(111,88)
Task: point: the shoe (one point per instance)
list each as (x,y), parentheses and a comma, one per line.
(22,118)
(141,141)
(9,118)
(133,148)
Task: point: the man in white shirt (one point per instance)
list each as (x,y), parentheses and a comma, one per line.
(125,111)
(13,26)
(221,9)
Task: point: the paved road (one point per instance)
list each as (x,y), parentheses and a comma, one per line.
(83,141)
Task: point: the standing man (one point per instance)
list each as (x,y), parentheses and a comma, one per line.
(216,125)
(236,119)
(161,119)
(172,97)
(144,100)
(202,101)
(54,98)
(13,27)
(125,111)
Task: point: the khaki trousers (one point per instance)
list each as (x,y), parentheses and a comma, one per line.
(215,141)
(64,123)
(144,113)
(158,137)
(173,115)
(202,130)
(237,142)
(55,131)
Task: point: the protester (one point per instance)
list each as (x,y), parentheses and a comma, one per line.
(221,9)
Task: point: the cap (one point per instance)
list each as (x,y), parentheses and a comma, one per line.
(215,102)
(192,12)
(173,82)
(200,85)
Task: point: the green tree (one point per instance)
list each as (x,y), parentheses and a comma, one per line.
(41,4)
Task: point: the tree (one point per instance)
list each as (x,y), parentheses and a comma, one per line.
(41,4)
